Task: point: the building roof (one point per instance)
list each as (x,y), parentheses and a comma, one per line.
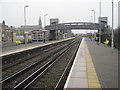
(32,27)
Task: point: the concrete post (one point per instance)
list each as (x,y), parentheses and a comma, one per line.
(26,37)
(44,36)
(56,35)
(13,37)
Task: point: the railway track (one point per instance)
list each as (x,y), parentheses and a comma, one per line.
(14,84)
(24,84)
(22,56)
(16,66)
(63,77)
(55,77)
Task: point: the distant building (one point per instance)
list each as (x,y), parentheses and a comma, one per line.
(36,32)
(29,28)
(119,13)
(11,34)
(6,33)
(67,33)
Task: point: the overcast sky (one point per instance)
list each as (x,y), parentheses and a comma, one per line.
(66,10)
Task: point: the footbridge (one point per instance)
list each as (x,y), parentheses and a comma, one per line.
(74,25)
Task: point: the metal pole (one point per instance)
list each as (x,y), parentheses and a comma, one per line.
(112,43)
(25,19)
(91,21)
(100,24)
(25,14)
(94,20)
(24,25)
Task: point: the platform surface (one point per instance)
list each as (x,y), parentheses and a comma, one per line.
(95,66)
(78,74)
(106,63)
(20,48)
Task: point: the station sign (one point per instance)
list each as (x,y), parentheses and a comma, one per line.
(103,20)
(54,21)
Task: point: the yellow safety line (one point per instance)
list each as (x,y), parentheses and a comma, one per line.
(93,81)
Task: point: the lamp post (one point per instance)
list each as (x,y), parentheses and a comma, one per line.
(94,19)
(25,22)
(112,43)
(91,21)
(44,26)
(25,14)
(100,24)
(45,20)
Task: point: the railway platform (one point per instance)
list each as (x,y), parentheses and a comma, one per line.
(25,47)
(95,66)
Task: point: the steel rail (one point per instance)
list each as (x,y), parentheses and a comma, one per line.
(58,85)
(19,72)
(29,80)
